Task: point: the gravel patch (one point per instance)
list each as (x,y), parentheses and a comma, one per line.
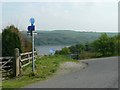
(70,67)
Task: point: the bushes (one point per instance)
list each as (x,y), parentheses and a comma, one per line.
(117,44)
(64,51)
(88,55)
(102,47)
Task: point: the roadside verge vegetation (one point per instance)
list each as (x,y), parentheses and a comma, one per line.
(45,67)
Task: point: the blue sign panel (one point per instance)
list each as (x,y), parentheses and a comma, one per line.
(32,21)
(31,28)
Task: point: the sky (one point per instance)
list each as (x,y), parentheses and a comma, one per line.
(92,15)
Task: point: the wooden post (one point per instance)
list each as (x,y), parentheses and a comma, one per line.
(16,63)
(20,64)
(29,58)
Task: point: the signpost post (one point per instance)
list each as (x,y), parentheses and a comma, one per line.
(33,64)
(31,30)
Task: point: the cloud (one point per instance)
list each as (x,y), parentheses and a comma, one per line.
(54,15)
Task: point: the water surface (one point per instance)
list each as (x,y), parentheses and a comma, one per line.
(45,50)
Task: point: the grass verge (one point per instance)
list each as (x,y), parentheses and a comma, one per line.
(45,67)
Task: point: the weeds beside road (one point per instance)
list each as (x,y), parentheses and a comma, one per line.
(45,67)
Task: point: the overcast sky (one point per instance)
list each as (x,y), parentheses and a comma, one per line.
(80,16)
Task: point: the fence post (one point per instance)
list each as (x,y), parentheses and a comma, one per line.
(16,63)
(29,58)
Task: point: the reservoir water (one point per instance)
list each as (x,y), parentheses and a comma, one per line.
(45,50)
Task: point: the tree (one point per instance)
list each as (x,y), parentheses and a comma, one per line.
(79,48)
(104,45)
(10,41)
(73,49)
(116,40)
(88,47)
(65,51)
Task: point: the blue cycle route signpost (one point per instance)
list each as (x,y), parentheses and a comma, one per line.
(52,51)
(31,30)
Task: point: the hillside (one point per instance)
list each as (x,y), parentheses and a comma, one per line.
(64,37)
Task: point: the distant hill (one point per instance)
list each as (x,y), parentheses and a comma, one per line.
(64,37)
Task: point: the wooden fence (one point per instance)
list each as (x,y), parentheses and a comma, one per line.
(17,62)
(22,60)
(25,58)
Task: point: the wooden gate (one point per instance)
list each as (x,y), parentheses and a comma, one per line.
(6,66)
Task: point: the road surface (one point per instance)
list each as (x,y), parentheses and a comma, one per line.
(100,73)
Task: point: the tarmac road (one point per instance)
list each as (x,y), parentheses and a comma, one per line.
(100,73)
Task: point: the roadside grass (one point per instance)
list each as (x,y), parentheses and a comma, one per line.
(92,55)
(89,55)
(45,67)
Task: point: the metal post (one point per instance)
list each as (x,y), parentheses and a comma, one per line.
(33,64)
(31,30)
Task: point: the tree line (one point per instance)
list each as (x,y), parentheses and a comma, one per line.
(101,47)
(64,37)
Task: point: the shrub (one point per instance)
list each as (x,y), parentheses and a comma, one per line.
(11,39)
(88,55)
(65,51)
